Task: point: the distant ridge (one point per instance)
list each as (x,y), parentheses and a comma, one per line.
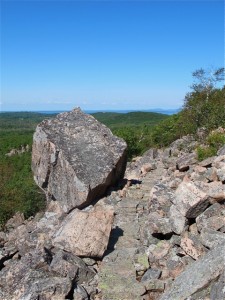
(91,111)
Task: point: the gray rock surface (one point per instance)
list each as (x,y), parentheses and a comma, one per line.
(66,264)
(198,275)
(211,238)
(218,288)
(75,158)
(212,218)
(177,220)
(151,274)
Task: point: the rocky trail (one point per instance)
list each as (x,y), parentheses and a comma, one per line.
(151,230)
(119,278)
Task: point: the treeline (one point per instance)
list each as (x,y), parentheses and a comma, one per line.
(200,110)
(134,127)
(204,107)
(18,191)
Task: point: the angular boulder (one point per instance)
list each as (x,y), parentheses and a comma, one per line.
(185,161)
(190,200)
(75,158)
(212,218)
(85,233)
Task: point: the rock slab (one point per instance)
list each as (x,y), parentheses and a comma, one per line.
(75,158)
(85,233)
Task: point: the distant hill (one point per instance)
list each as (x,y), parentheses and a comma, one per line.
(29,120)
(17,121)
(115,120)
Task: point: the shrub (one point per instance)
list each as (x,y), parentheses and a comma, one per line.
(216,140)
(205,152)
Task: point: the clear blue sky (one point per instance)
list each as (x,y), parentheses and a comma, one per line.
(56,55)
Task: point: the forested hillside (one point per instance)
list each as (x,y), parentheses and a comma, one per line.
(204,107)
(118,120)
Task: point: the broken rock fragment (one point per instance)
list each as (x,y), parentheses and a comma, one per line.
(190,200)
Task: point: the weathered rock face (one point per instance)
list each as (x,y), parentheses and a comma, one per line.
(75,158)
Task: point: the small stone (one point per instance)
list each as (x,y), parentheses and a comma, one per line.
(154,285)
(157,252)
(212,218)
(177,221)
(161,197)
(184,162)
(191,245)
(193,229)
(151,274)
(221,174)
(211,174)
(147,168)
(211,238)
(158,224)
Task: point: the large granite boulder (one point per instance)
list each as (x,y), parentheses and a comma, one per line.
(75,158)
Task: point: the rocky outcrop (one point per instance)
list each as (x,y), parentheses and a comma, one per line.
(75,158)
